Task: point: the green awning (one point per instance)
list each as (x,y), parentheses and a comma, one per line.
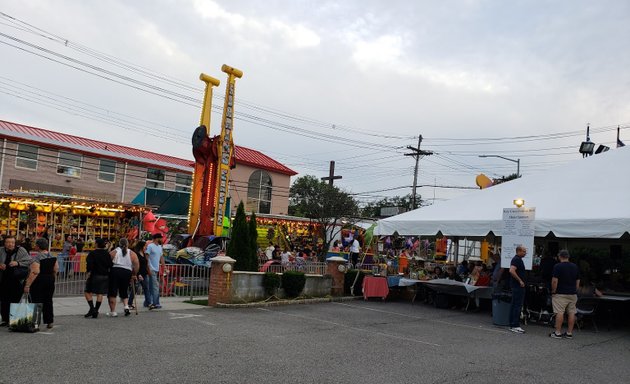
(168,202)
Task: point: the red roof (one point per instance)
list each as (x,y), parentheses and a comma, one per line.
(245,156)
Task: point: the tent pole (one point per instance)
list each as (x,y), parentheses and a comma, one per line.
(456,252)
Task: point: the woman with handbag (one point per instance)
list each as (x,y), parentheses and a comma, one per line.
(14,264)
(41,280)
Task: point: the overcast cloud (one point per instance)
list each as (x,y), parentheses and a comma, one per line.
(356,70)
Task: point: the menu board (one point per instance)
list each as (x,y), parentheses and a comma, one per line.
(518,229)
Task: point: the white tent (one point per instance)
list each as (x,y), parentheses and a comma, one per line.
(586,198)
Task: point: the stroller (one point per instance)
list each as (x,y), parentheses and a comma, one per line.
(538,307)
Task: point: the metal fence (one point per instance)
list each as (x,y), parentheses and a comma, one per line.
(184,280)
(311,268)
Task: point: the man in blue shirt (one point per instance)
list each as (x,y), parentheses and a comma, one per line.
(155,259)
(564,285)
(517,283)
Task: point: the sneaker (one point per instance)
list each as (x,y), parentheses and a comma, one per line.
(127,313)
(49,326)
(568,335)
(94,314)
(517,330)
(4,324)
(89,314)
(151,306)
(112,314)
(554,335)
(157,307)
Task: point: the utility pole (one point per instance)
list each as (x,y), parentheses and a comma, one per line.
(331,174)
(417,154)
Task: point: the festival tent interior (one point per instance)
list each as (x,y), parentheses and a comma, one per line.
(586,198)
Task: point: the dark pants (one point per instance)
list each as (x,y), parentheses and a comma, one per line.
(354,257)
(518,296)
(138,284)
(11,291)
(42,291)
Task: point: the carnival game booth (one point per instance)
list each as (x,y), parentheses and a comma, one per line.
(286,231)
(28,215)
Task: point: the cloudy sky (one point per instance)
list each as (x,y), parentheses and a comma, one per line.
(350,81)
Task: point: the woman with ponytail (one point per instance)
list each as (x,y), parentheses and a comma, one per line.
(124,269)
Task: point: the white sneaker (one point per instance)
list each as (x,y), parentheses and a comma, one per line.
(517,330)
(112,314)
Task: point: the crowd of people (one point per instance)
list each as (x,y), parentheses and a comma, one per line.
(288,256)
(113,270)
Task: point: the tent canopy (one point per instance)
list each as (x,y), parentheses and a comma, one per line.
(586,198)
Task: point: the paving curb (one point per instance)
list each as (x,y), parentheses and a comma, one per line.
(288,302)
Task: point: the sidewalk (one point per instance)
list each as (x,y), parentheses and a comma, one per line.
(76,305)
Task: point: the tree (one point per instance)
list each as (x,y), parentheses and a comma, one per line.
(326,204)
(504,179)
(253,243)
(373,209)
(239,247)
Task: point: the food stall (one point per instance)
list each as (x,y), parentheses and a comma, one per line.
(29,215)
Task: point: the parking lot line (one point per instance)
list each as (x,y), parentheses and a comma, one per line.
(361,330)
(478,327)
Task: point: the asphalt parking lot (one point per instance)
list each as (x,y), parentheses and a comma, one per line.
(351,342)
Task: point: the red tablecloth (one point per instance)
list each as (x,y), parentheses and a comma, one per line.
(375,287)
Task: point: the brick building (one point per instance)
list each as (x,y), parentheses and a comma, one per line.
(36,159)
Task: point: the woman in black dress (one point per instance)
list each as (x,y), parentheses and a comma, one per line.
(140,249)
(41,280)
(98,265)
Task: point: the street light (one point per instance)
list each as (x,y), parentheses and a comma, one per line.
(517,161)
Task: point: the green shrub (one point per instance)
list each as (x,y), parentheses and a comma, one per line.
(349,280)
(271,283)
(293,283)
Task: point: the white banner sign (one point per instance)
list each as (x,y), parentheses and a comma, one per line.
(518,229)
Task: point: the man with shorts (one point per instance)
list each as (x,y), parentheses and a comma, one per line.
(98,264)
(564,285)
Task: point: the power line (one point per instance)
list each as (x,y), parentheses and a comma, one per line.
(126,65)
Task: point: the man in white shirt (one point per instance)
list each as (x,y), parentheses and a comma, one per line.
(284,257)
(355,249)
(269,251)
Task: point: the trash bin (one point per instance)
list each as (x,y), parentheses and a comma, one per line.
(501,303)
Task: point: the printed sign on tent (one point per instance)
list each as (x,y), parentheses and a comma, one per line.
(518,229)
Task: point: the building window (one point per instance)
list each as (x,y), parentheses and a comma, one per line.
(259,192)
(107,170)
(69,164)
(183,182)
(155,178)
(26,156)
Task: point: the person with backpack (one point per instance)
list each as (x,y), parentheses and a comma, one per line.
(124,269)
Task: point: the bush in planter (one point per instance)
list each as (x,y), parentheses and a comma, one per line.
(293,283)
(271,283)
